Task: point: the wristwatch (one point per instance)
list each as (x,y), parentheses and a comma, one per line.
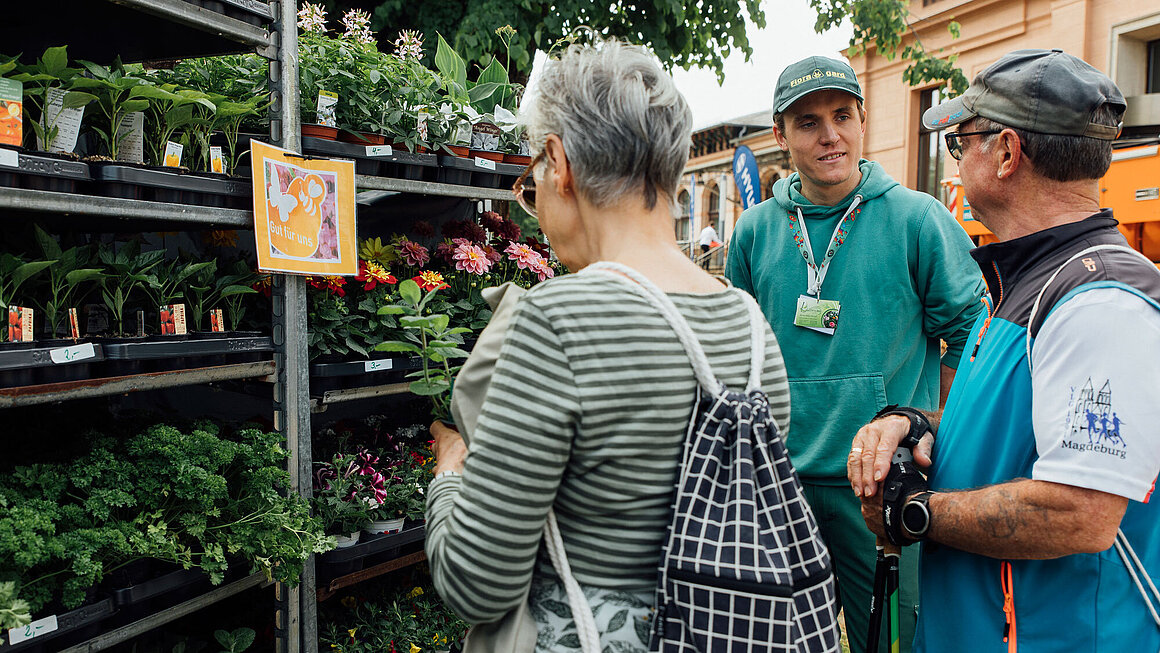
(916,516)
(919,424)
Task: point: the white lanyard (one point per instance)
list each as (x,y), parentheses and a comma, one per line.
(816,274)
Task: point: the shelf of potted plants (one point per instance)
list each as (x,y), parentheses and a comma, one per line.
(65,195)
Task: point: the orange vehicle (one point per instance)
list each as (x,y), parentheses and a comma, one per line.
(1131,189)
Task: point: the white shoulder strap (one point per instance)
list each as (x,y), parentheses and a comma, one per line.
(668,310)
(1039,298)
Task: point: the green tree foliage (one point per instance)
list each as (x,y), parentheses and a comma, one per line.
(884,24)
(682,34)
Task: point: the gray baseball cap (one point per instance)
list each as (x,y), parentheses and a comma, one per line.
(811,74)
(1041,91)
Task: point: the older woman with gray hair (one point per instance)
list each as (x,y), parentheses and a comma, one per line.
(591,397)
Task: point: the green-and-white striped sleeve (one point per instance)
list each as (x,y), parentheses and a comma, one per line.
(588,408)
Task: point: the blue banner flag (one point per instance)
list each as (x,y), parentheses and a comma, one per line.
(746,177)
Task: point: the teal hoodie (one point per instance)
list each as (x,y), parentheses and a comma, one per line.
(905,280)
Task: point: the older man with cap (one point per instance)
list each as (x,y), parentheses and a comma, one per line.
(860,278)
(1048,449)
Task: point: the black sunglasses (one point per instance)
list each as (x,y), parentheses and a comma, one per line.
(955,146)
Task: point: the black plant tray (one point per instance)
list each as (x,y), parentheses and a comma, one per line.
(15,359)
(163,349)
(155,587)
(457,169)
(171,185)
(401,164)
(353,368)
(43,171)
(67,622)
(370,545)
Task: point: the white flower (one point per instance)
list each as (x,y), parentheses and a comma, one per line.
(409,45)
(358,26)
(312,18)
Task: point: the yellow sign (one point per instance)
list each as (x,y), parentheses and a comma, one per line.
(304,213)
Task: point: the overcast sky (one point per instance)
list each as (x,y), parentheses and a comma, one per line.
(788,36)
(748,87)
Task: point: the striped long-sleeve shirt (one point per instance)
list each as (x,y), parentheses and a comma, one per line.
(587,411)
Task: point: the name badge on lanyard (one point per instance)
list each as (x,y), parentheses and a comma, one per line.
(812,312)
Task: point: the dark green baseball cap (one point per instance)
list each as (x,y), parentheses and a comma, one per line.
(813,74)
(1041,91)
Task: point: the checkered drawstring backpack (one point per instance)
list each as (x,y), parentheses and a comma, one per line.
(744,568)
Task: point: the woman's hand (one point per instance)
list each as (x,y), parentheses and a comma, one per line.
(450,450)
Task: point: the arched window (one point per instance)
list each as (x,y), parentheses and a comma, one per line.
(683,220)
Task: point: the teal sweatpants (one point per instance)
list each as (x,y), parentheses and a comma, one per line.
(852,551)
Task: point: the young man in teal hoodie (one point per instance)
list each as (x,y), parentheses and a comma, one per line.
(860,279)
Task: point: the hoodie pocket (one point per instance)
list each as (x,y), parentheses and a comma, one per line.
(826,413)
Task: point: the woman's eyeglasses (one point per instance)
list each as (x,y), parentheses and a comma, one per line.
(525,187)
(955,145)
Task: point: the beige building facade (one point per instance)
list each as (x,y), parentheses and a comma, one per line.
(1120,37)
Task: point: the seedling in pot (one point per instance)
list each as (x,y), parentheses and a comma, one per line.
(118,94)
(67,278)
(50,72)
(128,274)
(13,273)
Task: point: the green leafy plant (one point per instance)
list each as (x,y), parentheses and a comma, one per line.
(166,287)
(185,496)
(342,497)
(51,71)
(205,290)
(235,641)
(126,273)
(430,337)
(170,110)
(13,273)
(402,618)
(118,94)
(13,611)
(69,277)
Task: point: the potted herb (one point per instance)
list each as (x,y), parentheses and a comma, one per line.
(69,278)
(13,273)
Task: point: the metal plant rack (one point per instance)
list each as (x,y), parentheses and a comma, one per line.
(431,188)
(19,201)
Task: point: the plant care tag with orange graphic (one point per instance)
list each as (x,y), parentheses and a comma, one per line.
(20,324)
(74,327)
(11,111)
(216,162)
(297,216)
(216,323)
(173,319)
(173,154)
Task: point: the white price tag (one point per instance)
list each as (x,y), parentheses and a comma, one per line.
(377,366)
(34,629)
(380,150)
(487,164)
(10,158)
(72,354)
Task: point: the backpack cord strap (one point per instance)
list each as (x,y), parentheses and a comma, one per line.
(1039,298)
(756,340)
(1132,562)
(581,611)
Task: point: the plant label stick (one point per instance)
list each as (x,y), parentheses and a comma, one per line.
(20,324)
(131,134)
(179,324)
(74,327)
(140,324)
(325,108)
(173,154)
(66,123)
(216,163)
(11,112)
(215,321)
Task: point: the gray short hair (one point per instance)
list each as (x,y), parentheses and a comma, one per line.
(625,126)
(1062,158)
